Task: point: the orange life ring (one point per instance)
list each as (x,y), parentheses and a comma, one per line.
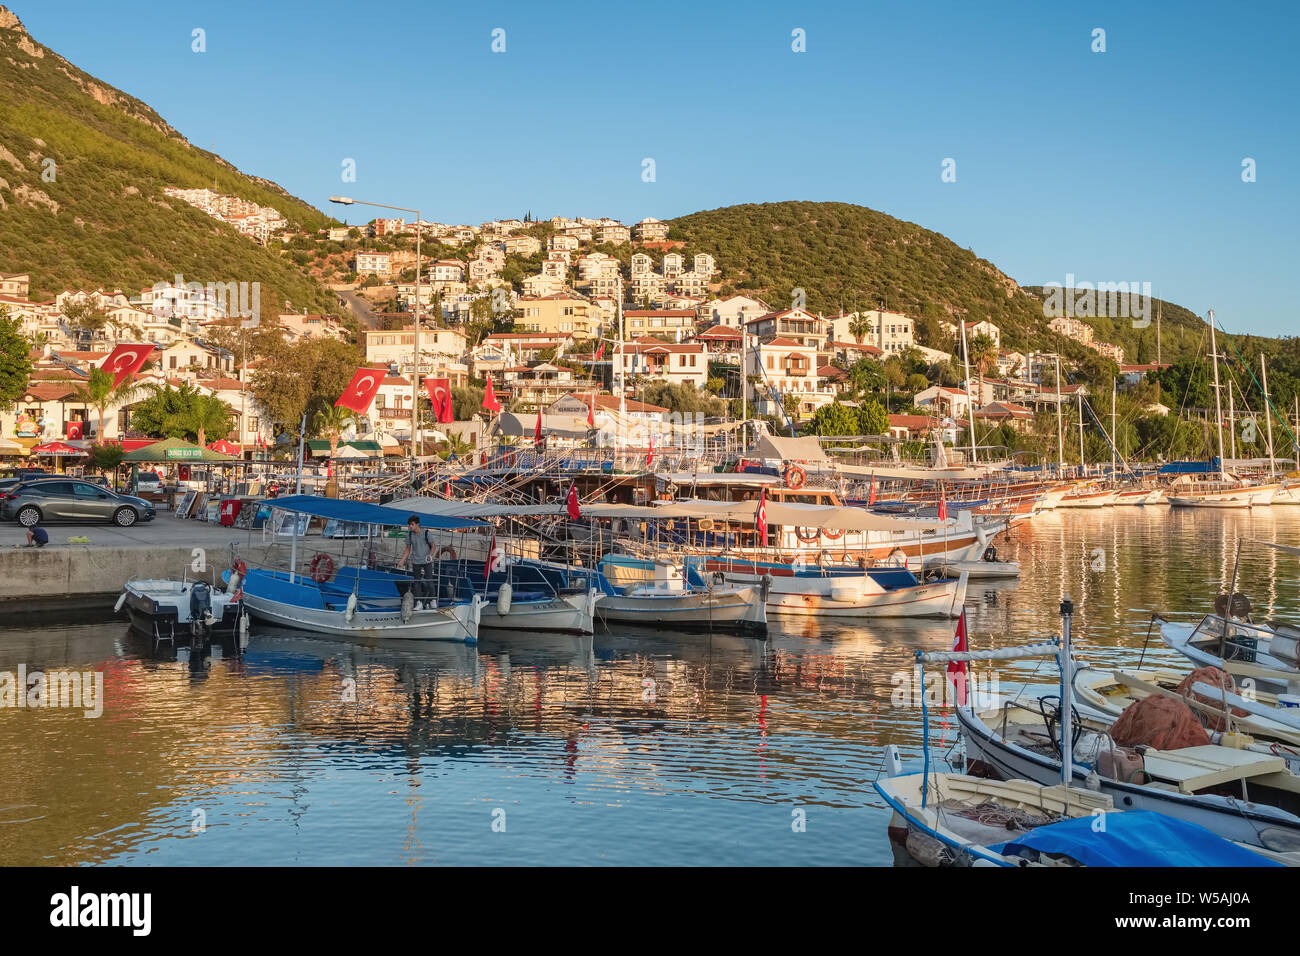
(795,477)
(321,568)
(833,535)
(448,550)
(807,538)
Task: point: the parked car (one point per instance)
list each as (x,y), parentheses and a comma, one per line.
(149,481)
(58,499)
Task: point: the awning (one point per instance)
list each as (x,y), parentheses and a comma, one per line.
(555,426)
(223,447)
(57,449)
(360,512)
(176,450)
(788,449)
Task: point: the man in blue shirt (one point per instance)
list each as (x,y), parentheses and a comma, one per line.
(420,551)
(37,537)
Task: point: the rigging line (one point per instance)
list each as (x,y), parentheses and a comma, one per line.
(1281,418)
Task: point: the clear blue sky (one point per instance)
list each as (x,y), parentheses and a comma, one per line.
(1123,165)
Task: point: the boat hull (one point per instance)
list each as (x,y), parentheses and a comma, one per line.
(564,614)
(727,609)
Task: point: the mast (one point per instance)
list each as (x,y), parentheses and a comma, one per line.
(970,402)
(1060,423)
(1158,332)
(1232,421)
(1083,462)
(1268,412)
(1114,435)
(1218,402)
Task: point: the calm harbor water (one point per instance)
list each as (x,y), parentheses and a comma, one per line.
(640,747)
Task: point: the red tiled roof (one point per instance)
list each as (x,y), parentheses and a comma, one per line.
(48,391)
(612,403)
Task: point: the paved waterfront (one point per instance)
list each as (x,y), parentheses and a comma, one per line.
(163,531)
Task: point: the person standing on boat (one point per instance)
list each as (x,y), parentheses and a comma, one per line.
(419,550)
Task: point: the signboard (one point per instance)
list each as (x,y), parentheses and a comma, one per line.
(185,453)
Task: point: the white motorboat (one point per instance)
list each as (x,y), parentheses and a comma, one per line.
(673,601)
(1267,654)
(166,608)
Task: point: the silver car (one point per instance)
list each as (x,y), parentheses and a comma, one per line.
(60,499)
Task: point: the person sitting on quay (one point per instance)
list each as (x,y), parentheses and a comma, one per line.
(37,537)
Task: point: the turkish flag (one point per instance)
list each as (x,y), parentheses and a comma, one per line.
(871,498)
(591,413)
(537,429)
(760,518)
(439,390)
(125,360)
(957,669)
(650,452)
(490,564)
(361,391)
(600,351)
(943,505)
(490,400)
(572,503)
(72,430)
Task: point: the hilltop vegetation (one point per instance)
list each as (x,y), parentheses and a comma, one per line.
(82,171)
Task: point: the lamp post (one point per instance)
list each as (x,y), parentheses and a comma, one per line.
(415,378)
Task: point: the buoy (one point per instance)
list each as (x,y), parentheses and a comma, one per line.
(408,606)
(351,612)
(504,597)
(121,599)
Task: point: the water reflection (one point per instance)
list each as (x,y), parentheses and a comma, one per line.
(634,747)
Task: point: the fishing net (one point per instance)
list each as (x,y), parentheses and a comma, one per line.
(1215,678)
(1159,722)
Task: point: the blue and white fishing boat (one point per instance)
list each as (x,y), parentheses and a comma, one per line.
(534,596)
(830,590)
(683,600)
(360,601)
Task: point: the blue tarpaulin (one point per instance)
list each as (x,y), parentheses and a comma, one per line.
(1134,838)
(360,512)
(1211,467)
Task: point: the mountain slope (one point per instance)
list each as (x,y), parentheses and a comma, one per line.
(850,257)
(97,216)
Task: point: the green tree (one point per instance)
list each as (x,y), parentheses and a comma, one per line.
(859,328)
(873,419)
(105,458)
(99,393)
(15,361)
(302,378)
(331,421)
(183,412)
(835,419)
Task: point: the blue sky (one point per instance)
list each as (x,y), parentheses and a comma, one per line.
(1117,166)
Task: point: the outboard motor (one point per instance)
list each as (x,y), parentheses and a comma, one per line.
(200,608)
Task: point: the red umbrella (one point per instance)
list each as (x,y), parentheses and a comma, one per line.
(57,449)
(224,447)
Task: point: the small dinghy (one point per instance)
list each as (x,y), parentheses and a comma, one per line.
(165,609)
(688,603)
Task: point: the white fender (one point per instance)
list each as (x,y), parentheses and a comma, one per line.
(504,597)
(408,606)
(351,611)
(121,599)
(893,761)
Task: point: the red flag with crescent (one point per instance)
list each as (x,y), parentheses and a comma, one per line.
(760,518)
(871,498)
(361,391)
(571,502)
(650,451)
(537,429)
(600,351)
(439,390)
(490,400)
(125,360)
(957,669)
(72,430)
(591,413)
(943,505)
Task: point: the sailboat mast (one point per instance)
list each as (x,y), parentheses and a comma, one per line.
(1218,402)
(1082,459)
(970,403)
(1114,435)
(1232,421)
(1268,412)
(1060,422)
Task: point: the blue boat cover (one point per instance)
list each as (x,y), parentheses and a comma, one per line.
(1134,838)
(1213,466)
(361,512)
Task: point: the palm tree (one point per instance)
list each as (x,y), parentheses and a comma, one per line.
(859,328)
(99,392)
(984,355)
(331,421)
(207,412)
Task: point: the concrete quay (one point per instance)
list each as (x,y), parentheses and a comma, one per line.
(63,572)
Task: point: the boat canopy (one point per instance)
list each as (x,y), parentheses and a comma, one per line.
(1134,838)
(778,512)
(360,512)
(1213,466)
(807,449)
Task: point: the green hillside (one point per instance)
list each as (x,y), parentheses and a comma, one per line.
(97,216)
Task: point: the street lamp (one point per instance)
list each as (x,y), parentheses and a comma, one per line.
(415,379)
